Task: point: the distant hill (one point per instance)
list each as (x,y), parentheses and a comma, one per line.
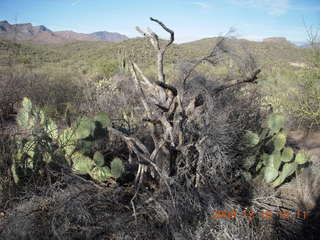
(269,51)
(41,34)
(108,36)
(27,32)
(279,40)
(93,51)
(74,36)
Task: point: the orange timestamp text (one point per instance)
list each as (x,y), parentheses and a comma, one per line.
(264,214)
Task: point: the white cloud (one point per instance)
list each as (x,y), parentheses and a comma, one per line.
(201,4)
(273,7)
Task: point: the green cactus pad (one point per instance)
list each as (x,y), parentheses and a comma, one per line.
(100,174)
(287,154)
(81,164)
(288,169)
(264,158)
(42,117)
(274,160)
(98,159)
(103,119)
(27,104)
(302,157)
(31,122)
(69,149)
(67,137)
(52,129)
(270,174)
(117,167)
(84,128)
(251,139)
(279,141)
(23,119)
(67,141)
(275,122)
(278,181)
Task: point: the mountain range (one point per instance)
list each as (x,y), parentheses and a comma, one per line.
(26,32)
(41,34)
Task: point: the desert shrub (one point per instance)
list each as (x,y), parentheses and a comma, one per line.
(115,96)
(105,68)
(299,98)
(54,90)
(8,148)
(304,107)
(299,95)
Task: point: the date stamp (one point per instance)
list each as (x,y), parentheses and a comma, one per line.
(263,214)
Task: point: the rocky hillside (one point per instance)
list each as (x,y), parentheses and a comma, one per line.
(108,36)
(41,34)
(279,40)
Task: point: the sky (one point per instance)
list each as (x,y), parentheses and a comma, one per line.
(190,19)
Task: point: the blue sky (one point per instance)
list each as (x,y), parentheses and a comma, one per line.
(190,19)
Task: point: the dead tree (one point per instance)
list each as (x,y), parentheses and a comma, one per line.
(166,112)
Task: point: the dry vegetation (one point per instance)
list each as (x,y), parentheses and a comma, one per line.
(180,137)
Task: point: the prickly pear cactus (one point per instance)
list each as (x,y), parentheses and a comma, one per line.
(74,144)
(82,164)
(95,167)
(276,165)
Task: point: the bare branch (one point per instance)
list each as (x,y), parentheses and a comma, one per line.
(166,29)
(141,31)
(138,85)
(212,54)
(158,94)
(155,41)
(172,89)
(251,79)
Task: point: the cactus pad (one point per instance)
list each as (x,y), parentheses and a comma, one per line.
(100,174)
(81,164)
(98,159)
(287,154)
(117,167)
(275,122)
(270,174)
(279,141)
(84,128)
(301,157)
(103,119)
